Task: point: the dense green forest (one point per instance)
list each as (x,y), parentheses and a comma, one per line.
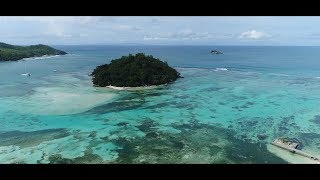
(134,71)
(13,53)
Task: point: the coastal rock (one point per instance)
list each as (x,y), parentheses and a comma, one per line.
(216,52)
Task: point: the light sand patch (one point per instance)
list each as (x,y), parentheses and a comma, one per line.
(288,156)
(68,147)
(63,100)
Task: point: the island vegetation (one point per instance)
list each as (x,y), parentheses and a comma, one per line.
(10,52)
(134,71)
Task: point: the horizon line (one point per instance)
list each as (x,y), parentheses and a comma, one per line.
(137,44)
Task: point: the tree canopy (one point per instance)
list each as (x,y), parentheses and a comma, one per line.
(10,52)
(134,71)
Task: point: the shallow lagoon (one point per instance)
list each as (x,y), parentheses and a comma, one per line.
(209,116)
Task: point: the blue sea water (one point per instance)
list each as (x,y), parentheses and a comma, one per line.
(226,109)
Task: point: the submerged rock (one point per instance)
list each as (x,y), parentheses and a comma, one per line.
(93,134)
(316,119)
(122,124)
(216,52)
(262,136)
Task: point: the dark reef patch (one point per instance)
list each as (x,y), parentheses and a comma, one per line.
(286,124)
(230,126)
(251,123)
(211,89)
(287,119)
(131,101)
(247,105)
(122,124)
(197,143)
(248,123)
(316,119)
(242,152)
(181,96)
(262,136)
(236,97)
(93,134)
(87,158)
(309,138)
(152,135)
(117,106)
(128,152)
(274,103)
(160,105)
(189,106)
(222,103)
(147,125)
(251,127)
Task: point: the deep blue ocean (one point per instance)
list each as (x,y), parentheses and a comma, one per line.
(226,109)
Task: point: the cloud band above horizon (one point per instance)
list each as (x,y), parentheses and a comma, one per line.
(205,30)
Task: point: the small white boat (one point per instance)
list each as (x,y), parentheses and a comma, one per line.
(25,70)
(26,74)
(54,70)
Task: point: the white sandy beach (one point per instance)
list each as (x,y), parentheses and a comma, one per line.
(133,88)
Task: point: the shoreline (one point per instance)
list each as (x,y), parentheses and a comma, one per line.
(134,88)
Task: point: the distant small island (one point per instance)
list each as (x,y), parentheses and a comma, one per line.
(134,71)
(216,52)
(14,53)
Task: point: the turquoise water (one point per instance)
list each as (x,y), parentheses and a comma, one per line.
(209,116)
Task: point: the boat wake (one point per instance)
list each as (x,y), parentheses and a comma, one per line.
(221,69)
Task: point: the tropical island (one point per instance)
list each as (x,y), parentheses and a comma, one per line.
(10,52)
(134,71)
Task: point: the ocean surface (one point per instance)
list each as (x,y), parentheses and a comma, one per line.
(226,109)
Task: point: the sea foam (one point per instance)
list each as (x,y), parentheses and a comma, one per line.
(41,57)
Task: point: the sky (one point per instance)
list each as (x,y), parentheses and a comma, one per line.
(161,30)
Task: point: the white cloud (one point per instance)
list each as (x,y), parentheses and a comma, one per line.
(186,34)
(123,27)
(154,20)
(153,38)
(148,29)
(253,34)
(76,20)
(56,29)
